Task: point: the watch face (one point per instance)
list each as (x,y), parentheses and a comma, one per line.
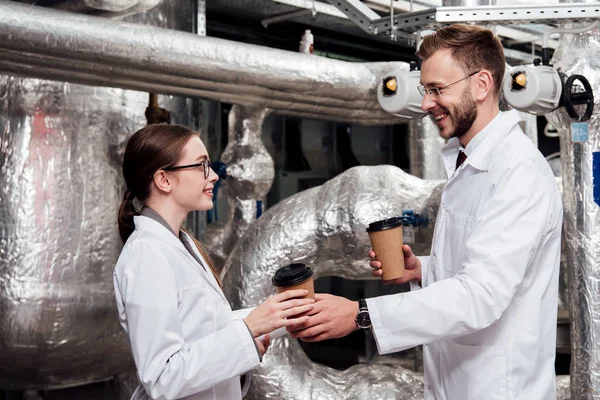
(363,320)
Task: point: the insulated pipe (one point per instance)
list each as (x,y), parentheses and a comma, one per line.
(38,32)
(325,228)
(577,54)
(289,108)
(61,149)
(250,174)
(108,6)
(425,145)
(233,88)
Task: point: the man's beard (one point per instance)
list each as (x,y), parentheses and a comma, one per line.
(464,114)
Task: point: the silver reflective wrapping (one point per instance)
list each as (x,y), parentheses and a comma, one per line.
(61,150)
(60,174)
(578,54)
(425,144)
(563,311)
(325,228)
(46,43)
(250,174)
(529,125)
(563,387)
(287,373)
(107,8)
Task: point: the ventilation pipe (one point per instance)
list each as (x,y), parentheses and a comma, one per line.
(580,157)
(46,43)
(61,150)
(250,173)
(324,227)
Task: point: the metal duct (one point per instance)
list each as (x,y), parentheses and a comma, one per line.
(577,54)
(108,7)
(563,387)
(61,182)
(61,148)
(425,145)
(250,174)
(325,228)
(51,44)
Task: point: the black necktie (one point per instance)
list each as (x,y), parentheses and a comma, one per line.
(460,159)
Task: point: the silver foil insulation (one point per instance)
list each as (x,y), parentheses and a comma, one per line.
(578,54)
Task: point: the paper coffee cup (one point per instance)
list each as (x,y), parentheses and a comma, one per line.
(294,276)
(386,240)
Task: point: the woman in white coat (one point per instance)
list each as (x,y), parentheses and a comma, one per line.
(184,338)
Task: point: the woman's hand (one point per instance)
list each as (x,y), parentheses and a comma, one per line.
(279,310)
(263,344)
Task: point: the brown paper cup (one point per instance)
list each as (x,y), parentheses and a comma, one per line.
(307,284)
(294,276)
(387,245)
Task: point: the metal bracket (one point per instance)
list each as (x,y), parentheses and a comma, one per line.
(357,12)
(497,15)
(434,18)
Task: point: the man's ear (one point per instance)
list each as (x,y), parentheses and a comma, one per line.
(162,181)
(484,84)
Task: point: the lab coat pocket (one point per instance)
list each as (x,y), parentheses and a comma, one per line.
(473,372)
(197,304)
(457,231)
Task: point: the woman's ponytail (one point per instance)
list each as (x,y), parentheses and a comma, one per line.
(126,214)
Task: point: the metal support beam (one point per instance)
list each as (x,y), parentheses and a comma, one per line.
(497,15)
(357,12)
(287,16)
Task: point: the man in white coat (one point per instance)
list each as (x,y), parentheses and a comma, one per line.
(484,302)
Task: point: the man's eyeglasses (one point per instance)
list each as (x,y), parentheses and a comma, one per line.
(206,165)
(436,92)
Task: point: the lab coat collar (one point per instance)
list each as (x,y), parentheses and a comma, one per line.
(155,228)
(479,153)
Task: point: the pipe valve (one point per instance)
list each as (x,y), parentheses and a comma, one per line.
(397,93)
(540,89)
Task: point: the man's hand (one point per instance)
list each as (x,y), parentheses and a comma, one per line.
(332,317)
(412,267)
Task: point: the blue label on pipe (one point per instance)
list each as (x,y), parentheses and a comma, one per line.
(579,131)
(596,176)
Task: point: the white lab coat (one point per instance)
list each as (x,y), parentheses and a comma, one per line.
(184,339)
(487,309)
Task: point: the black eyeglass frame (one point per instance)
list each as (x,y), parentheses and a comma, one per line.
(438,91)
(206,164)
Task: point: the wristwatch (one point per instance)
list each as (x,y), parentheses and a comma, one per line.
(363,320)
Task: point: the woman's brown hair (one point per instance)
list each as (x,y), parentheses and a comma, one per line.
(473,47)
(151,148)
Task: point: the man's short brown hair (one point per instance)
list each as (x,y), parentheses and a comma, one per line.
(473,47)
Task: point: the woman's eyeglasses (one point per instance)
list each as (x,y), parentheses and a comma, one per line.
(205,165)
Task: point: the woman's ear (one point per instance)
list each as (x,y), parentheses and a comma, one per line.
(484,85)
(162,181)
